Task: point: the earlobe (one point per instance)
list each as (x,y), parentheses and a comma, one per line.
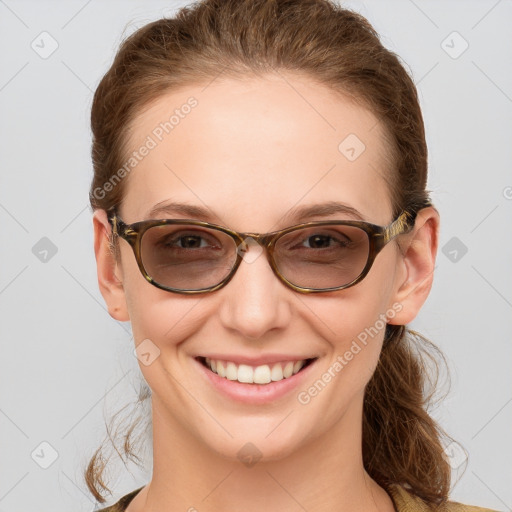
(108,269)
(418,263)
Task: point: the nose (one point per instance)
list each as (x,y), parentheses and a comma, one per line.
(255,301)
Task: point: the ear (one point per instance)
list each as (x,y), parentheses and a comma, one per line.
(419,249)
(108,269)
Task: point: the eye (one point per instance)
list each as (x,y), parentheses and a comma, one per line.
(188,242)
(181,238)
(335,237)
(328,244)
(321,241)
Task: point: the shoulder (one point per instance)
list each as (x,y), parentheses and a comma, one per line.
(407,502)
(122,504)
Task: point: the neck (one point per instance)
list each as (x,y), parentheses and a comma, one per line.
(324,475)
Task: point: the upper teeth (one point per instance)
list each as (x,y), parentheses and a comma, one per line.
(254,375)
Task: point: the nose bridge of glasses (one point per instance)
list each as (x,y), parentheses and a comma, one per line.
(262,239)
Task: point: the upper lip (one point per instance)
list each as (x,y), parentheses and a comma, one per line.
(256,361)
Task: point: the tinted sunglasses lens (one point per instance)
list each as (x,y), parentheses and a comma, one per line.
(322,257)
(187,257)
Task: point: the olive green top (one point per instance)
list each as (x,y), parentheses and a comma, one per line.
(402,499)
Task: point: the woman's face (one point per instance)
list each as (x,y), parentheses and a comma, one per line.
(251,153)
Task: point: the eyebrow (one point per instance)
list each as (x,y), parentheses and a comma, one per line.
(328,208)
(294,215)
(171,208)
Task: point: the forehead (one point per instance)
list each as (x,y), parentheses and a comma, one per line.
(251,150)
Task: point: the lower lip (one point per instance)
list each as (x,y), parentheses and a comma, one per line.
(255,393)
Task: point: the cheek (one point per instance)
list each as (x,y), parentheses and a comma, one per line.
(353,321)
(166,319)
(160,315)
(348,314)
(152,311)
(354,325)
(354,328)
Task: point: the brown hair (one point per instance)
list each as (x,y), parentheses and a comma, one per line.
(336,47)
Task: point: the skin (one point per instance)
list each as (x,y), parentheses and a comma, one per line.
(251,151)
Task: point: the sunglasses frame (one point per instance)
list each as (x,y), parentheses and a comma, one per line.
(378,237)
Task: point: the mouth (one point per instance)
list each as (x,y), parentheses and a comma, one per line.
(256,375)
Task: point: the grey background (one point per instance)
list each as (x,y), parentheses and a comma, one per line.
(65,363)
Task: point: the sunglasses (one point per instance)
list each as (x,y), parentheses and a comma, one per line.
(190,256)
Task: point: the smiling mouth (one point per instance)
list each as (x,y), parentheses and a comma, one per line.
(262,374)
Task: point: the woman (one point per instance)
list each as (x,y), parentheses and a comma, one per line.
(262,220)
